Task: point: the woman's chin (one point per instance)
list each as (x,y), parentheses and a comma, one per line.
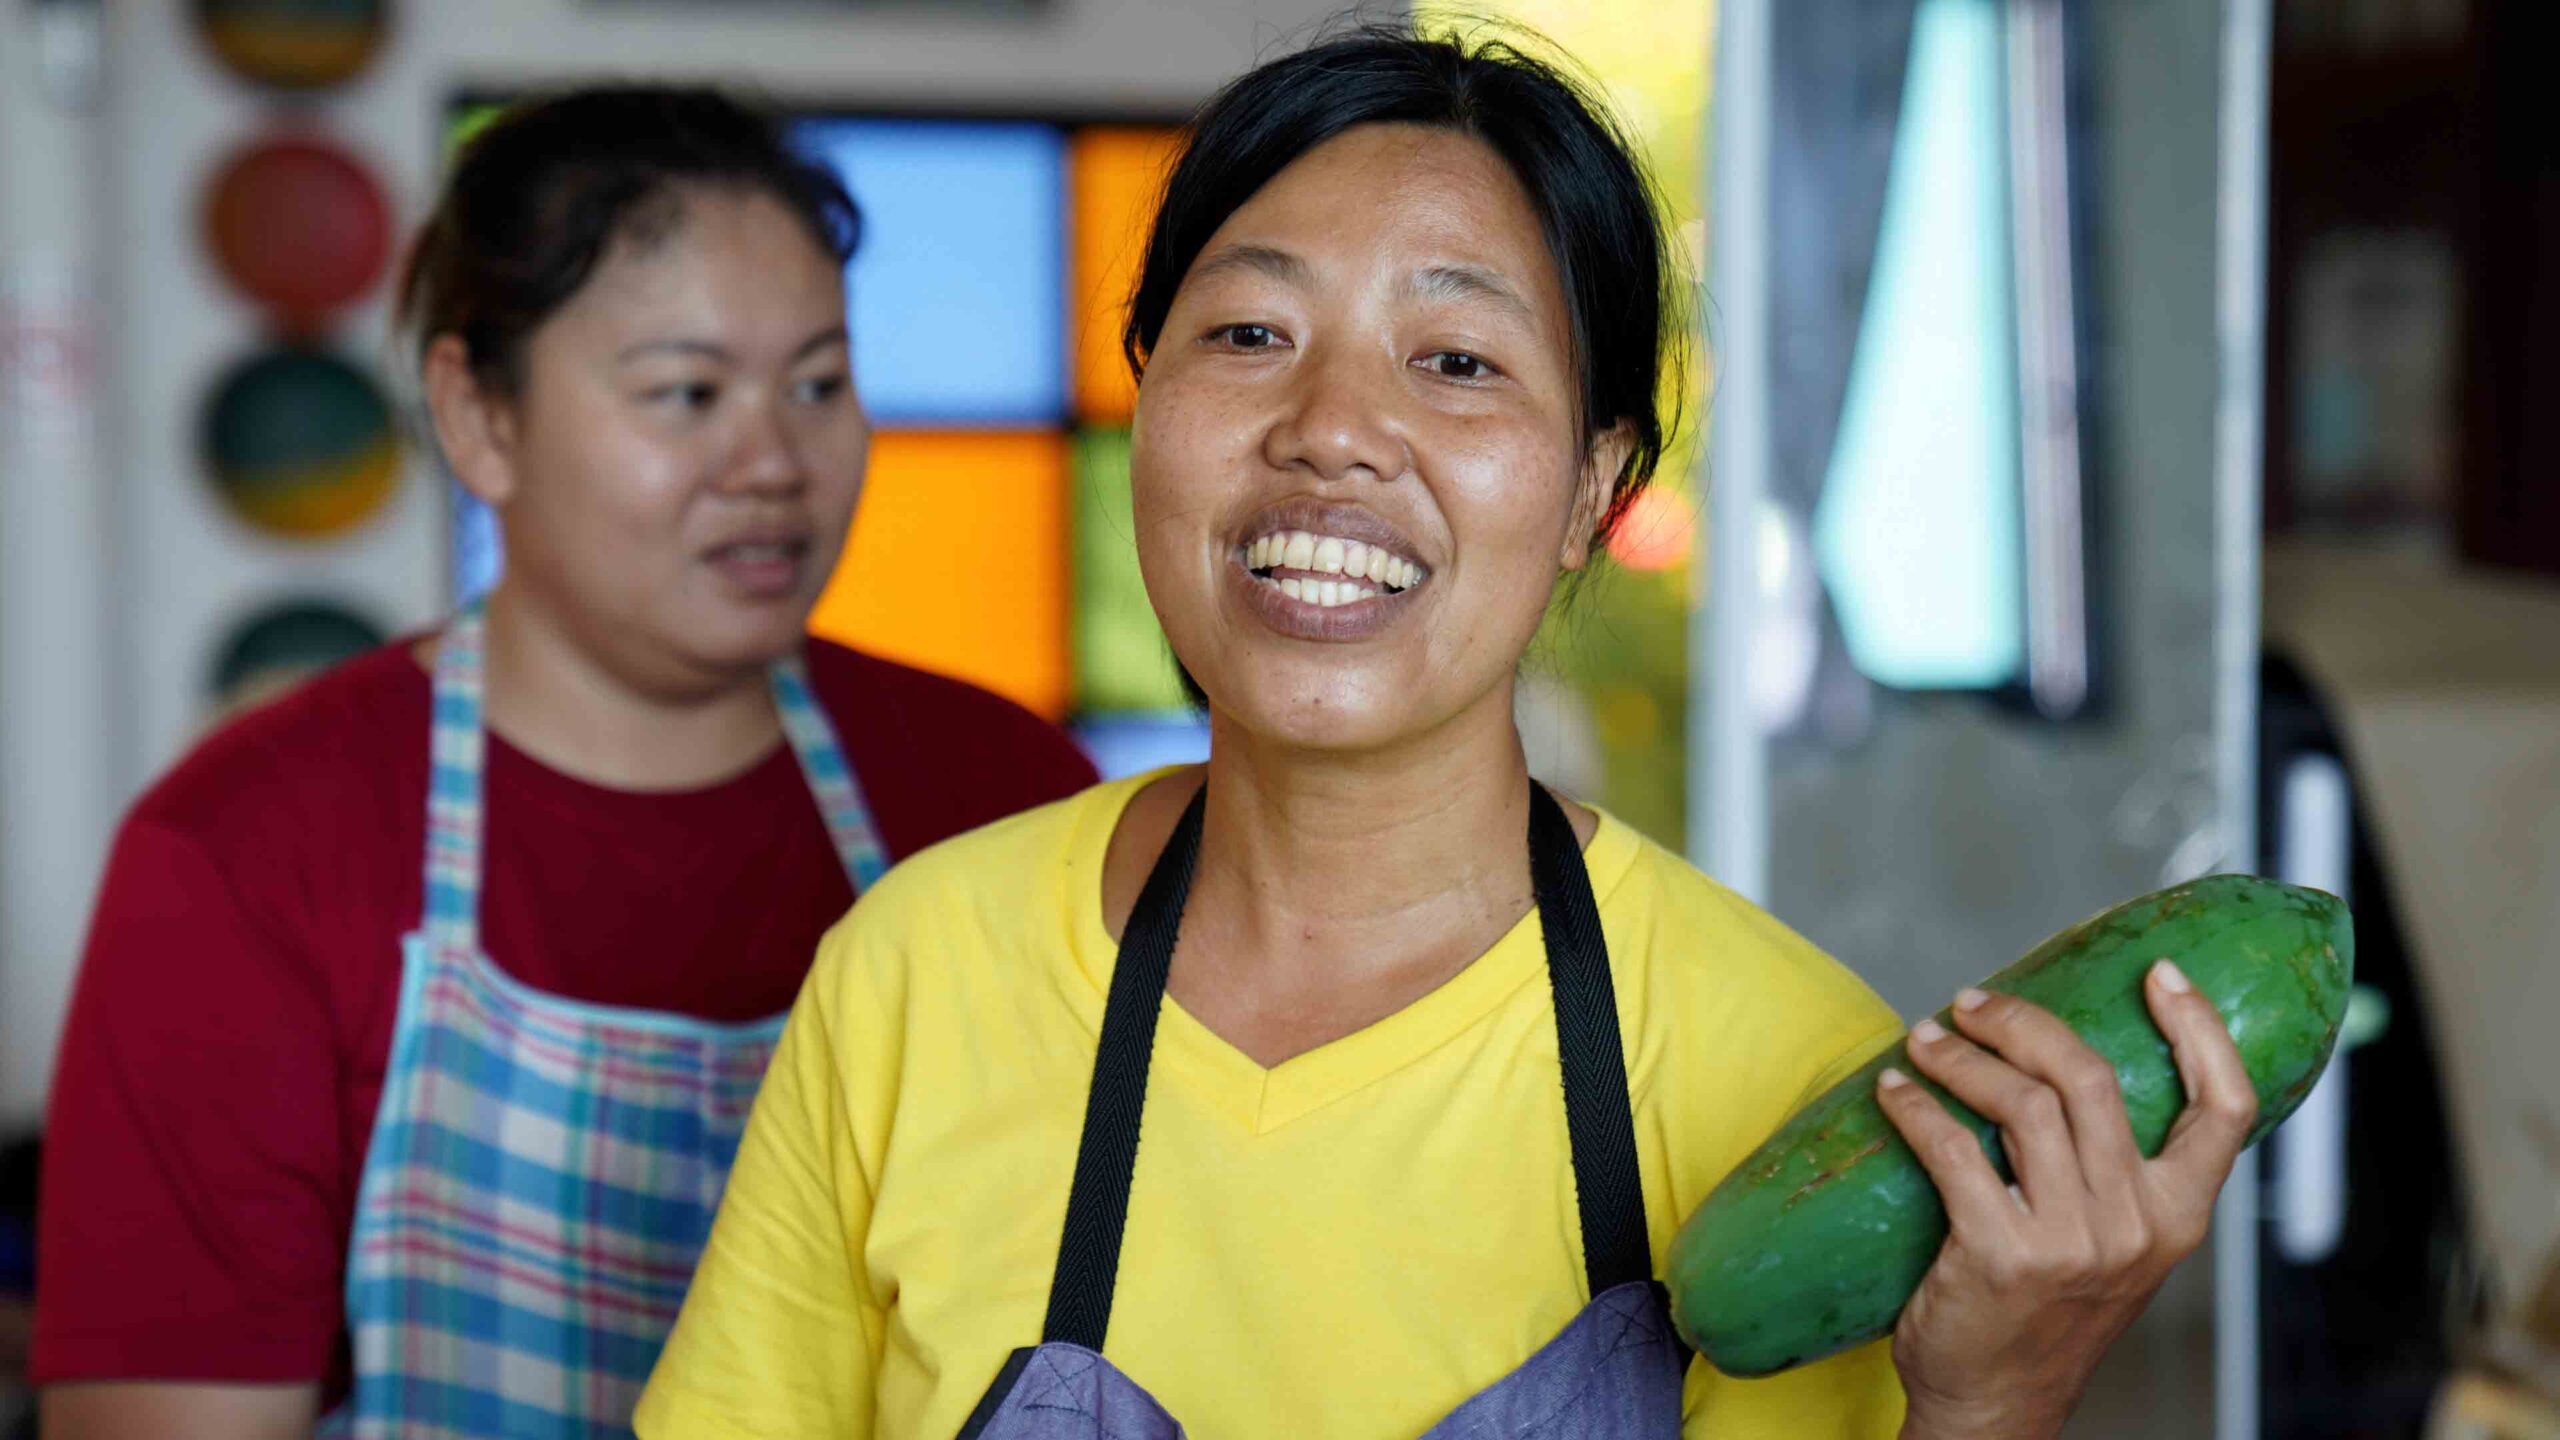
(740,638)
(1341,718)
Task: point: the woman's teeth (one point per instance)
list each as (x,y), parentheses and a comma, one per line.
(1330,556)
(1325,592)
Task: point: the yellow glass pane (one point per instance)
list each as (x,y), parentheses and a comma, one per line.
(958,561)
(1621,651)
(1114,176)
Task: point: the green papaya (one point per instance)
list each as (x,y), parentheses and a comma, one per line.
(1814,1243)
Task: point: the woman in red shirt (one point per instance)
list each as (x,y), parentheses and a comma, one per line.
(401,1080)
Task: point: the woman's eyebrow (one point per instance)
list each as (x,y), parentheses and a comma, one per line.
(672,345)
(714,350)
(1469,282)
(1280,265)
(831,335)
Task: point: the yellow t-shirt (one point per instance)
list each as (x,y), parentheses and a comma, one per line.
(1349,1245)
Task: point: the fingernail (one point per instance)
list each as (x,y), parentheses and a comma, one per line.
(1969,998)
(1892,1079)
(1928,1032)
(2173,979)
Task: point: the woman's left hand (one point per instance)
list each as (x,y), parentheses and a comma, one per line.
(2038,1278)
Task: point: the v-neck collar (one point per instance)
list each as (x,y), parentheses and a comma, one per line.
(1261,1100)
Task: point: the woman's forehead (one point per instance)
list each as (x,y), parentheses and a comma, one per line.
(726,263)
(1437,209)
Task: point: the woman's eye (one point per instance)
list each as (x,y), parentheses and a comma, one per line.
(820,389)
(1457,365)
(692,397)
(1245,337)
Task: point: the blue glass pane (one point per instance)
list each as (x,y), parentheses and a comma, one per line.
(958,290)
(1918,534)
(1137,741)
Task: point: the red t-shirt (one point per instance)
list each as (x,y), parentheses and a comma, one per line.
(233,1016)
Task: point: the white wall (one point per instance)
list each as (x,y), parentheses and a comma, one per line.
(183,570)
(58,751)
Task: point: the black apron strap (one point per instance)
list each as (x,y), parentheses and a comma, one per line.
(1599,1119)
(1107,1156)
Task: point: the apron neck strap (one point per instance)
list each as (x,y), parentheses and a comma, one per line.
(1107,1156)
(1599,1120)
(829,774)
(1599,1117)
(456,751)
(458,757)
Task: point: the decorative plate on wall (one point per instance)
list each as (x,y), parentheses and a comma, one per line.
(293,44)
(299,443)
(298,226)
(283,645)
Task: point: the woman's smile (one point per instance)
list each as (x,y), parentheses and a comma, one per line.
(766,564)
(1328,572)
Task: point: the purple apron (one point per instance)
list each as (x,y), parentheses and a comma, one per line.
(1613,1373)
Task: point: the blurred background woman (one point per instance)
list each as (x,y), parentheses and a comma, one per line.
(475,948)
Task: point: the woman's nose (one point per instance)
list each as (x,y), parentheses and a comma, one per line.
(1338,424)
(768,458)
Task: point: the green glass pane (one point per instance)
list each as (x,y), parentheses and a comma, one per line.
(1121,659)
(1608,682)
(467,121)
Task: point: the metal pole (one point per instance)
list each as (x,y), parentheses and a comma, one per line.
(2240,325)
(1729,774)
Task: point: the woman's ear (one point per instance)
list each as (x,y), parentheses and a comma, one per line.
(1602,464)
(475,429)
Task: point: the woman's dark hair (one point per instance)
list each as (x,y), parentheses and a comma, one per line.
(539,194)
(1593,199)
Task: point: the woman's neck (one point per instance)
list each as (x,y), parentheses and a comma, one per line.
(555,697)
(1334,889)
(1317,840)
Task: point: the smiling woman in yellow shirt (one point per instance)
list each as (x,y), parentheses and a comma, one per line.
(1278,1097)
(1349,1243)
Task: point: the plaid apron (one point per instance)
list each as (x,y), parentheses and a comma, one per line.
(543,1173)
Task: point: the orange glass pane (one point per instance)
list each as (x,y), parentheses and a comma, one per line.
(1113,176)
(958,561)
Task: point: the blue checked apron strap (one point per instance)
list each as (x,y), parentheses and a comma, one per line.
(458,746)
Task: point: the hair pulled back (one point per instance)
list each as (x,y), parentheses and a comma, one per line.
(539,195)
(1595,204)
